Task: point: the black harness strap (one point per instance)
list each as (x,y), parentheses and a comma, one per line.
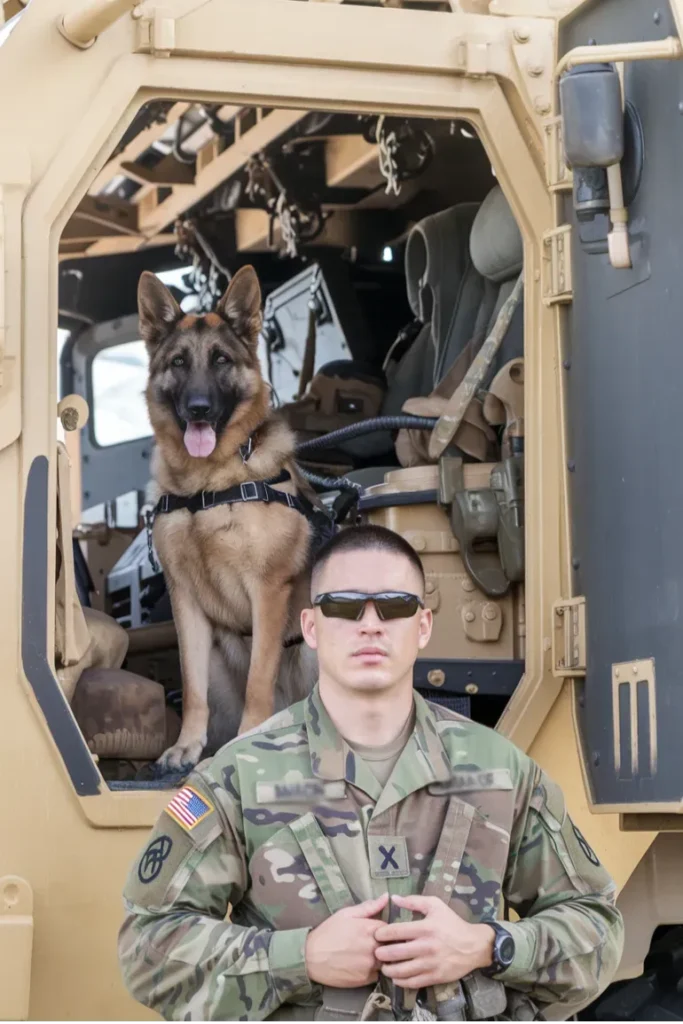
(251,490)
(322,524)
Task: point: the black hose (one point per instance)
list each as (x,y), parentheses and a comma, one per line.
(331,483)
(403,421)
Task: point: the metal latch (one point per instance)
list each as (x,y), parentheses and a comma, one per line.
(558,176)
(569,638)
(16,947)
(556,264)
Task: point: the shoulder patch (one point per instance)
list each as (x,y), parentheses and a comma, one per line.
(298,791)
(183,833)
(152,860)
(165,855)
(189,808)
(472,781)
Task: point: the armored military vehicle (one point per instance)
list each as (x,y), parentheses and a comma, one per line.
(462,214)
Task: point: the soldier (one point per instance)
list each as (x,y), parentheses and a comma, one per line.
(364,840)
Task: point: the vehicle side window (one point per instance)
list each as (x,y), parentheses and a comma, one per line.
(119,377)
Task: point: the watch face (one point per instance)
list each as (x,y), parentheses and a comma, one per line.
(506,950)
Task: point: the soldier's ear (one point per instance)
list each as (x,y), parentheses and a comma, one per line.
(157,309)
(308,628)
(241,305)
(425,628)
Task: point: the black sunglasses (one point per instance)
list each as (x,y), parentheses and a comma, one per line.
(348,604)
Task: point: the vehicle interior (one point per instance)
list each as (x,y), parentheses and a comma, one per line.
(388,259)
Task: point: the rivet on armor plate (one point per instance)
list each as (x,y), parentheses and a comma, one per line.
(471,688)
(490,611)
(436,677)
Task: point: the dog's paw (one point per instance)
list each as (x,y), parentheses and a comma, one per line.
(181,756)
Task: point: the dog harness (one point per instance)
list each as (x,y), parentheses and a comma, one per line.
(251,490)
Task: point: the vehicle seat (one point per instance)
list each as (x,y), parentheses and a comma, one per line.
(497,255)
(444,292)
(461,266)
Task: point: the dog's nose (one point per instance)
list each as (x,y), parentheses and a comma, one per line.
(199,407)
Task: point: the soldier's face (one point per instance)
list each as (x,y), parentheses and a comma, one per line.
(369,654)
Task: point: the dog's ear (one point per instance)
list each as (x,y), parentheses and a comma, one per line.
(157,308)
(241,304)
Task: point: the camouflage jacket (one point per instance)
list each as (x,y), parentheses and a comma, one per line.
(286,825)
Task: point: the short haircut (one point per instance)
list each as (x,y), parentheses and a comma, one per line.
(365,538)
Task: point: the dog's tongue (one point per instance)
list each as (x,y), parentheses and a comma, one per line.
(200,439)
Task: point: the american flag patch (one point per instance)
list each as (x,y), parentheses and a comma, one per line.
(188,808)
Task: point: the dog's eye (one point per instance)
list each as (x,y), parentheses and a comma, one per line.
(178,361)
(221,359)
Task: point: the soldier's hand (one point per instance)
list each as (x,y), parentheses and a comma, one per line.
(437,949)
(341,951)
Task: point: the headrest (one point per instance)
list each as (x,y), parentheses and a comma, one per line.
(495,242)
(436,258)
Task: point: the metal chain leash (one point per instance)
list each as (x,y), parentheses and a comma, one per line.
(289,229)
(387,143)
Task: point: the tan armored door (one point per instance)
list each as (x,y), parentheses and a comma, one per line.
(14,177)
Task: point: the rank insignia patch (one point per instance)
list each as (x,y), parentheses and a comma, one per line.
(188,808)
(388,857)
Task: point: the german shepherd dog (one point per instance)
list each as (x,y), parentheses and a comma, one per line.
(236,573)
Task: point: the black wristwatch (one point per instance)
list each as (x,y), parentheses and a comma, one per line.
(503,949)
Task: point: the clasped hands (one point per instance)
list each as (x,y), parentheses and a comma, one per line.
(351,947)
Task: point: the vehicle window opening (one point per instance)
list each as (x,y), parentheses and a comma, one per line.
(387,255)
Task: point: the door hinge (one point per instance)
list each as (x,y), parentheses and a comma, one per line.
(558,176)
(557,266)
(569,638)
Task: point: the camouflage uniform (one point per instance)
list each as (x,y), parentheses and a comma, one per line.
(292,826)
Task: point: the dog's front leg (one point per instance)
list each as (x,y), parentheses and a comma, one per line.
(269,613)
(194,640)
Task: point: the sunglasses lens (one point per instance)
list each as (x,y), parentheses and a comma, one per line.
(352,606)
(338,608)
(401,607)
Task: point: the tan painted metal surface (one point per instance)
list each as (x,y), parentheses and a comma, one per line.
(496,72)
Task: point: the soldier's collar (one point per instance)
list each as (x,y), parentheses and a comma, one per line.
(429,741)
(330,754)
(325,744)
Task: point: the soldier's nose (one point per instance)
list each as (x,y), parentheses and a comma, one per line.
(370,619)
(198,407)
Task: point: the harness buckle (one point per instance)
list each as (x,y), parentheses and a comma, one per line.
(208,499)
(290,500)
(250,495)
(164,502)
